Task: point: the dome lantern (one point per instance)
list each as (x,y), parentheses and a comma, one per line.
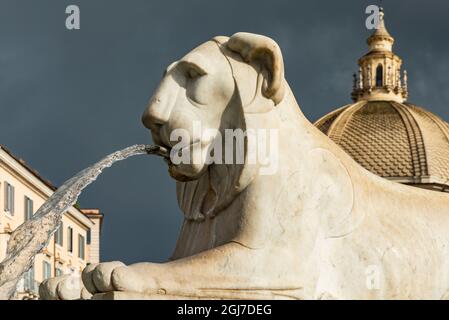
(382,132)
(380,69)
(381,40)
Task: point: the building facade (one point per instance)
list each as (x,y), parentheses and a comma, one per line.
(76,242)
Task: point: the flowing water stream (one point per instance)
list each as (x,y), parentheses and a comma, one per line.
(32,236)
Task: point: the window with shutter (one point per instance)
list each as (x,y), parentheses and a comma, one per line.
(46,270)
(9,198)
(59,272)
(12,200)
(28,208)
(69,239)
(89,236)
(59,234)
(29,283)
(81,244)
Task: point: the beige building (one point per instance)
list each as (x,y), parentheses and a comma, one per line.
(71,248)
(382,131)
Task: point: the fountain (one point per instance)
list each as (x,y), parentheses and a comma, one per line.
(315,228)
(32,236)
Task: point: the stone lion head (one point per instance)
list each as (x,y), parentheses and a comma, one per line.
(216,85)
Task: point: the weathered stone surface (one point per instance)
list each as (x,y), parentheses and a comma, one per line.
(319,227)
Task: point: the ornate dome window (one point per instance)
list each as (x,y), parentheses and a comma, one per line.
(379,76)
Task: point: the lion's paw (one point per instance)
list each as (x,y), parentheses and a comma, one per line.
(67,287)
(114,276)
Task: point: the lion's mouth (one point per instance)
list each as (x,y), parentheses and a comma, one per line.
(164,152)
(160,150)
(177,169)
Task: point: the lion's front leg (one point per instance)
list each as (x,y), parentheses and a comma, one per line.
(229,271)
(184,276)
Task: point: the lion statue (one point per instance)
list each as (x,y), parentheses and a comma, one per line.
(318,227)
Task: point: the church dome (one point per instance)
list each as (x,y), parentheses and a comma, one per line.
(381,131)
(398,141)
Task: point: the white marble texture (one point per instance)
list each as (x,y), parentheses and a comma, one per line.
(321,227)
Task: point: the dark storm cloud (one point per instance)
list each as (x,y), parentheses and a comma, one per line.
(67,98)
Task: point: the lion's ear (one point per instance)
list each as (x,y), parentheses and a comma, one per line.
(259,49)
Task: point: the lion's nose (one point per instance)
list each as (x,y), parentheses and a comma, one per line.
(161,104)
(157,113)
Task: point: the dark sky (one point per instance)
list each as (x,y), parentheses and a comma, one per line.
(67,98)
